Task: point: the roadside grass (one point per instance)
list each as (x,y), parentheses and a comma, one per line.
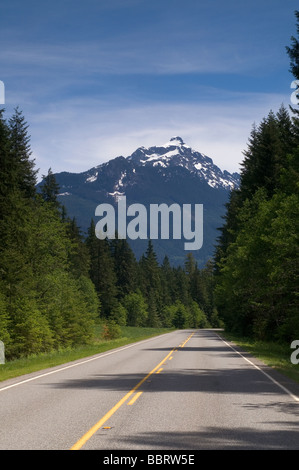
(34,363)
(272,354)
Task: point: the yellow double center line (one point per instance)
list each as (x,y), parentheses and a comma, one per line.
(80,443)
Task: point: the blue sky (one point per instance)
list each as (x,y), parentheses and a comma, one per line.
(99,78)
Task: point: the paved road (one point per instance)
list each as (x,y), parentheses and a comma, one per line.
(183,390)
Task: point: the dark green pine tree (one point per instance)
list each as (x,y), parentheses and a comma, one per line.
(287,134)
(12,200)
(78,255)
(266,155)
(228,231)
(208,283)
(154,320)
(250,162)
(179,320)
(8,167)
(150,280)
(49,189)
(150,275)
(167,282)
(125,266)
(193,276)
(21,154)
(152,267)
(102,271)
(182,292)
(91,243)
(259,169)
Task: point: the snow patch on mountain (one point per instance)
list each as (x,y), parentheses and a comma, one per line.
(92,178)
(120,181)
(116,195)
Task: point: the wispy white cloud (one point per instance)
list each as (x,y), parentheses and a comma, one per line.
(131,55)
(78,136)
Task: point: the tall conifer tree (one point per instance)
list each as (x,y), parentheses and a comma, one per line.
(49,189)
(102,271)
(21,153)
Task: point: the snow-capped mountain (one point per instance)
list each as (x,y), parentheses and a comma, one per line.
(177,153)
(174,153)
(169,173)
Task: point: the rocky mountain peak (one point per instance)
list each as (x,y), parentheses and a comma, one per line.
(175,153)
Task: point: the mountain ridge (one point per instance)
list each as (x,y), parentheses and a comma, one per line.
(175,153)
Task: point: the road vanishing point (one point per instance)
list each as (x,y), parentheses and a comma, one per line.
(188,389)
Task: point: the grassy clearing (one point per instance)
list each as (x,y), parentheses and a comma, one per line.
(272,354)
(43,361)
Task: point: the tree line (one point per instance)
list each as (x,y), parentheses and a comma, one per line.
(57,284)
(256,261)
(145,293)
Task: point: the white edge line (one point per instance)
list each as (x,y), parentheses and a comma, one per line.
(261,370)
(94,358)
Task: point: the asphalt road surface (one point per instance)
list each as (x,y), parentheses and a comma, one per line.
(184,390)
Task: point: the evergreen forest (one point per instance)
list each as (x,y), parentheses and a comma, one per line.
(256,260)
